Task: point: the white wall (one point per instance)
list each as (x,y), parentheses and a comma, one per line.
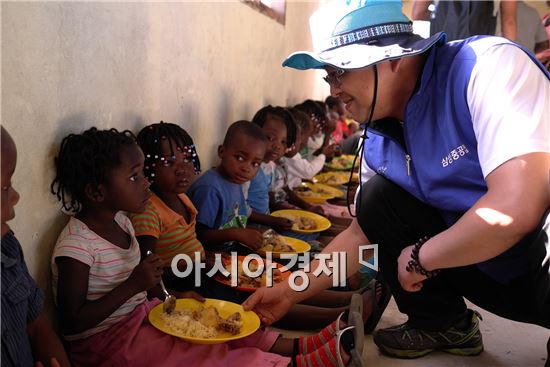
(69,66)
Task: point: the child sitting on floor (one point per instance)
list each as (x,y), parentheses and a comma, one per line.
(322,129)
(167,225)
(293,168)
(100,285)
(216,195)
(27,337)
(281,132)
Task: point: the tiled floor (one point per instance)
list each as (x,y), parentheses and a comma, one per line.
(507,343)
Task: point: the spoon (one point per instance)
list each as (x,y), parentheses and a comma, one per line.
(169,303)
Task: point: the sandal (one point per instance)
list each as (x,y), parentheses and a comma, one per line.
(356,303)
(378,306)
(355,322)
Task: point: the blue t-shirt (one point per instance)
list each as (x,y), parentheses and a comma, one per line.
(21,304)
(218,201)
(258,192)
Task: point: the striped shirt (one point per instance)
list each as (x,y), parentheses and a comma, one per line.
(109,265)
(174,235)
(21,304)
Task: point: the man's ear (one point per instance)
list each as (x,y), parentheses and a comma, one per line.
(94,193)
(221,149)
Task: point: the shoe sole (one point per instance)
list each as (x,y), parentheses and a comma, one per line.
(412,353)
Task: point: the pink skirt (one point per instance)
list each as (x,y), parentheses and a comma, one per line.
(135,342)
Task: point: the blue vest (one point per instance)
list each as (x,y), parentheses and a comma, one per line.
(440,164)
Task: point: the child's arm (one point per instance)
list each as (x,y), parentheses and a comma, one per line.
(306,169)
(248,236)
(147,243)
(279,204)
(45,344)
(279,223)
(81,314)
(298,201)
(328,150)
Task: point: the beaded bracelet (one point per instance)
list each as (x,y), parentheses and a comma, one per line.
(414,263)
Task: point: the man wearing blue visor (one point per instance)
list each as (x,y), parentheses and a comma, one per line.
(459,136)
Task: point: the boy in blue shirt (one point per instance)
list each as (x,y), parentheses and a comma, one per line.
(218,195)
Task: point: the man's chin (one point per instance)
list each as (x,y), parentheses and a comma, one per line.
(355,113)
(360,117)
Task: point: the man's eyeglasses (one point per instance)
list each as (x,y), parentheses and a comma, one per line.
(334,79)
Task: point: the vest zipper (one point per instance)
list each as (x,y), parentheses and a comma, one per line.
(408,159)
(408,163)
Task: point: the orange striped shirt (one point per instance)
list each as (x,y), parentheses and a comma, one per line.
(174,235)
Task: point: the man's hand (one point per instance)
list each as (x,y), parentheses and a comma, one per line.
(410,281)
(269,303)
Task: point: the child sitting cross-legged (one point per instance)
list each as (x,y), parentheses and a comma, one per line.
(100,284)
(223,214)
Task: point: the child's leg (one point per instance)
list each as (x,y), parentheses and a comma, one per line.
(333,346)
(328,298)
(309,343)
(340,221)
(305,317)
(335,228)
(324,239)
(369,297)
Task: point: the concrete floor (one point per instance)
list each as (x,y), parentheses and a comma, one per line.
(507,343)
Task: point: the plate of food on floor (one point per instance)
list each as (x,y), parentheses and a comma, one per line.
(333,178)
(210,322)
(341,163)
(246,282)
(324,189)
(279,245)
(311,196)
(304,221)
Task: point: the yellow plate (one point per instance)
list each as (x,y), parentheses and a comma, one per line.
(321,222)
(251,321)
(335,178)
(298,245)
(325,190)
(341,163)
(318,193)
(313,197)
(332,178)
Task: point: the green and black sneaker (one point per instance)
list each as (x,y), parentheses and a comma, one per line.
(404,341)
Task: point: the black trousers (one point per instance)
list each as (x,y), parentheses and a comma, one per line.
(394,219)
